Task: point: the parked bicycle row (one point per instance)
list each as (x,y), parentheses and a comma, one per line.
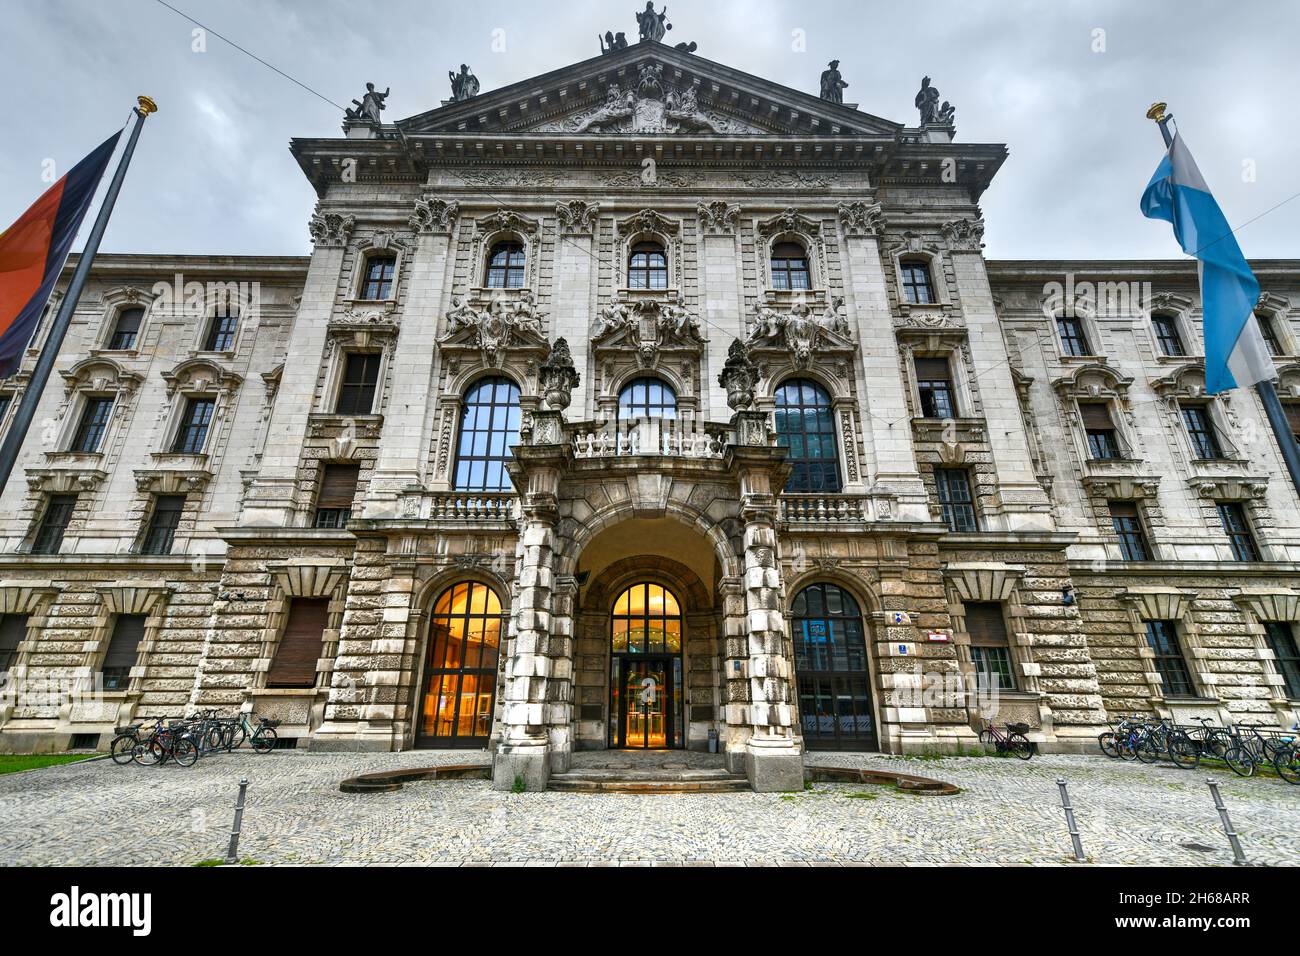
(1243,747)
(158,740)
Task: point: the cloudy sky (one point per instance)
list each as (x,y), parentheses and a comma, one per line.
(1065,85)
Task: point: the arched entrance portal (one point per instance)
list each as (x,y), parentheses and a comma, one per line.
(646,669)
(830,659)
(460,668)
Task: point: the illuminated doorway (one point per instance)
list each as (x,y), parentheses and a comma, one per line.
(645,676)
(460,668)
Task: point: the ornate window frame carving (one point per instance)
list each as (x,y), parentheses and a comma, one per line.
(1179,308)
(1097,383)
(1161,603)
(180,472)
(379,242)
(1277,309)
(115,302)
(500,226)
(792,226)
(647,225)
(1186,385)
(910,245)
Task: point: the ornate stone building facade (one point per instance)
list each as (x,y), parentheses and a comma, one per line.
(646,403)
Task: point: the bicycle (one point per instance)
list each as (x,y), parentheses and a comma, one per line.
(128,741)
(1287,759)
(1013,741)
(236,730)
(175,742)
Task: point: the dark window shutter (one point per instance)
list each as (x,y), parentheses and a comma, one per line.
(300,646)
(1123,509)
(124,645)
(1293,416)
(13,630)
(338,486)
(1096,415)
(985,624)
(932,370)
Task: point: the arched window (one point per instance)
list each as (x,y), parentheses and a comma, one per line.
(647,398)
(505,268)
(805,426)
(918,288)
(789,266)
(489,425)
(647,267)
(830,659)
(645,681)
(460,667)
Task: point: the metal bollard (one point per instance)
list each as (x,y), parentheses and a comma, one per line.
(232,854)
(1238,856)
(1069,822)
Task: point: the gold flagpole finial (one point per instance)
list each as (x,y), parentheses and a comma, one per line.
(147,105)
(1157,112)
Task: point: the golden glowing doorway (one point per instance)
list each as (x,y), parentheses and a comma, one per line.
(645,676)
(460,668)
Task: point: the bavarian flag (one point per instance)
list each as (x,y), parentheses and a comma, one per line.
(33,250)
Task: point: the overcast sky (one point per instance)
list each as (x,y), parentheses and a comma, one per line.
(213,173)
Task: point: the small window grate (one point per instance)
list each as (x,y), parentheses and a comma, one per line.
(84,742)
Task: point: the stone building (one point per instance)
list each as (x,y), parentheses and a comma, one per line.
(806,471)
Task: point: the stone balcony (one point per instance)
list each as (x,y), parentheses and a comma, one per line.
(665,438)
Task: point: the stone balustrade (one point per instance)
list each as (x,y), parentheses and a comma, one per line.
(471,506)
(669,438)
(829,509)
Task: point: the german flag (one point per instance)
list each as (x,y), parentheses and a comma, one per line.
(33,250)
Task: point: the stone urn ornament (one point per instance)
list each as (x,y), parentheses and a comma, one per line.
(558,377)
(739,376)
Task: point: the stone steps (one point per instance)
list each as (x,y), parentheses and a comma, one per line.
(647,780)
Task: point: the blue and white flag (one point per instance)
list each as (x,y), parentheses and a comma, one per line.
(1235,353)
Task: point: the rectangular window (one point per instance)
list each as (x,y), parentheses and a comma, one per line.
(94,422)
(1292,417)
(1237,528)
(5,401)
(338,486)
(1128,525)
(193,433)
(379,277)
(49,537)
(990,649)
(300,646)
(1200,429)
(1269,333)
(1073,341)
(953,485)
(1162,636)
(934,382)
(123,649)
(1167,335)
(166,517)
(221,334)
(360,376)
(1281,640)
(125,329)
(917,287)
(1103,439)
(13,631)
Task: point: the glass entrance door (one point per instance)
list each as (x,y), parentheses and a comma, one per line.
(645,696)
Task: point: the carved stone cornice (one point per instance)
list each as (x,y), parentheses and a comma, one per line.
(964,235)
(647,220)
(1229,488)
(718,217)
(330,230)
(578,216)
(68,473)
(790,220)
(433,215)
(1121,487)
(173,474)
(861,218)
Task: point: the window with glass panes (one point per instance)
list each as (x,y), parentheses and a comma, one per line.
(125,329)
(834,683)
(789,266)
(163,521)
(955,499)
(805,426)
(1073,339)
(1168,337)
(990,648)
(918,288)
(221,333)
(1200,429)
(1237,528)
(1103,439)
(489,425)
(646,398)
(934,383)
(13,631)
(1269,333)
(94,422)
(123,651)
(1175,678)
(505,266)
(54,522)
(378,282)
(338,486)
(193,431)
(460,667)
(1286,655)
(647,266)
(360,378)
(1126,522)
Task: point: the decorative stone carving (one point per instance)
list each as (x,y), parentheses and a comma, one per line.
(577,216)
(612,42)
(464,85)
(330,230)
(652,107)
(800,331)
(647,220)
(832,84)
(718,217)
(434,215)
(739,376)
(499,326)
(369,106)
(859,218)
(932,113)
(964,235)
(651,25)
(647,326)
(558,377)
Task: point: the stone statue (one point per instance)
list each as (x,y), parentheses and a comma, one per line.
(618,105)
(678,323)
(369,106)
(833,84)
(557,376)
(463,85)
(927,101)
(947,114)
(612,42)
(461,316)
(833,319)
(527,318)
(652,24)
(686,47)
(739,377)
(614,317)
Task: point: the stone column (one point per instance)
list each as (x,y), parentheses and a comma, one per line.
(575,268)
(735,685)
(723,308)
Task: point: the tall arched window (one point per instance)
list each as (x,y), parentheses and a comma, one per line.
(647,398)
(645,680)
(489,425)
(505,267)
(805,426)
(830,659)
(460,667)
(647,266)
(789,266)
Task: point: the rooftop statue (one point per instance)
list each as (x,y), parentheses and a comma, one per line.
(464,85)
(833,84)
(652,24)
(927,101)
(369,106)
(612,42)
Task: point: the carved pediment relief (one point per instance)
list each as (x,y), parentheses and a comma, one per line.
(200,375)
(365,328)
(1092,381)
(502,325)
(647,327)
(800,333)
(647,220)
(99,375)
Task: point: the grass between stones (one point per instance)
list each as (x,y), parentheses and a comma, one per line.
(13,763)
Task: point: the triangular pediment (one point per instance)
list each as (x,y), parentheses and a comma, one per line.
(648,88)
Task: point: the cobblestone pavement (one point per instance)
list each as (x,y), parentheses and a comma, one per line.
(1009,813)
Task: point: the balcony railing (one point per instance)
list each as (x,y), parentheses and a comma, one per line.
(471,506)
(669,438)
(833,510)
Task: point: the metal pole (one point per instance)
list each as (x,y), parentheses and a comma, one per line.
(1070,823)
(232,853)
(1286,440)
(45,361)
(1238,856)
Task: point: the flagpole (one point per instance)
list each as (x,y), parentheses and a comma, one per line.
(13,442)
(1286,440)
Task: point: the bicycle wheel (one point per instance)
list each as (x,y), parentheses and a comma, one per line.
(1128,747)
(988,741)
(150,754)
(185,753)
(264,740)
(216,739)
(1287,764)
(1148,749)
(237,737)
(1240,760)
(1184,753)
(1019,745)
(122,749)
(1107,743)
(1216,747)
